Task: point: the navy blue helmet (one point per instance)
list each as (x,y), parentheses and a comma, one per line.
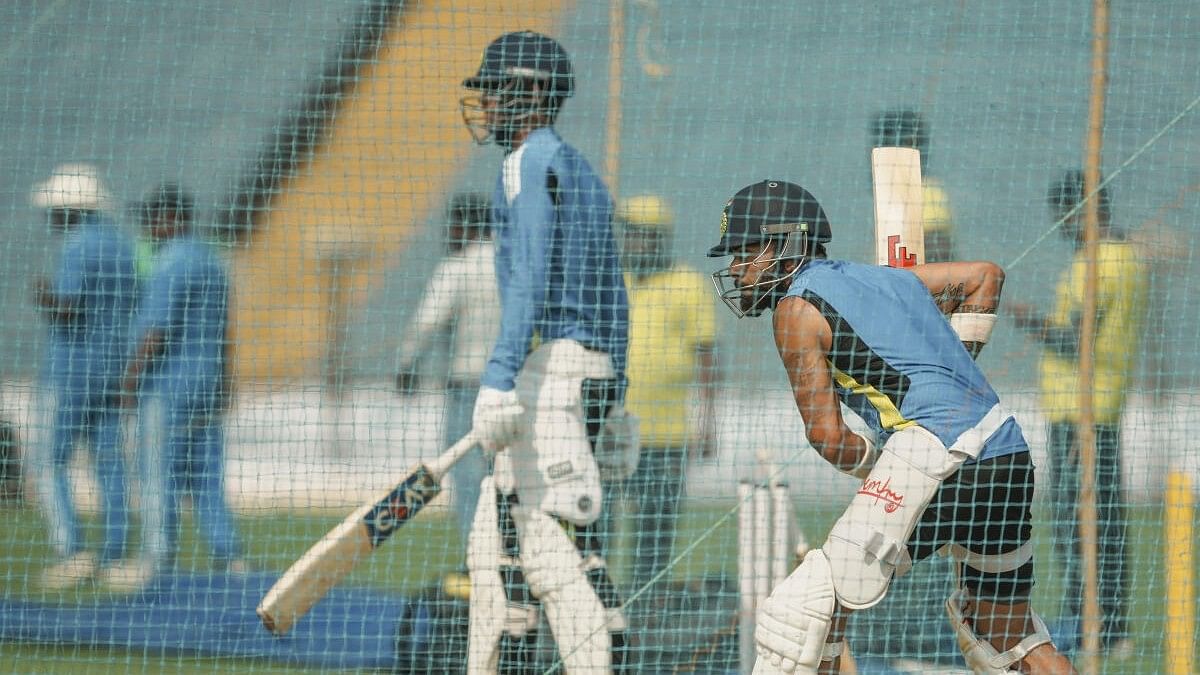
(522,74)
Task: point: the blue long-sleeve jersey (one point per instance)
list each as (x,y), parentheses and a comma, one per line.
(557,263)
(96,273)
(187,299)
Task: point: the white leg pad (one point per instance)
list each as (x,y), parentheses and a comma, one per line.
(794,621)
(868,544)
(553,467)
(488,608)
(553,569)
(980,655)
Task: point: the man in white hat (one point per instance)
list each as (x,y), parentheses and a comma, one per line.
(88,304)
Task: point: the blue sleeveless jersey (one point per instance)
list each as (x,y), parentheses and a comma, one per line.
(896,360)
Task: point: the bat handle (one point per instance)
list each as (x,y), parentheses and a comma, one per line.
(443,463)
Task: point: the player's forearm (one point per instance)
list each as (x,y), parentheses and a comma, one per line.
(837,444)
(963,286)
(985,296)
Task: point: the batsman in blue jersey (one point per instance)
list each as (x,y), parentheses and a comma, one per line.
(555,380)
(944,468)
(89,305)
(180,369)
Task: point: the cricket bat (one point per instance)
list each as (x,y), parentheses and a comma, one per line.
(325,563)
(899,207)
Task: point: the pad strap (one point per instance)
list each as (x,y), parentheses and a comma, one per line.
(832,650)
(992,564)
(970,442)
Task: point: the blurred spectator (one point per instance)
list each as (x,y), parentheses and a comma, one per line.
(1121,295)
(903,127)
(672,330)
(10,464)
(461,297)
(89,305)
(180,375)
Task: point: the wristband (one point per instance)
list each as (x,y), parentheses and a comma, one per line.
(870,455)
(973,326)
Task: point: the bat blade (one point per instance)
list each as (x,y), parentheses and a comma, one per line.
(899,207)
(329,560)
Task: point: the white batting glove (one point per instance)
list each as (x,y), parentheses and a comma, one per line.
(497,418)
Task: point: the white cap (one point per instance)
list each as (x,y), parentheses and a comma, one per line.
(71,186)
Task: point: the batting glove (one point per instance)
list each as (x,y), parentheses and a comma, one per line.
(497,418)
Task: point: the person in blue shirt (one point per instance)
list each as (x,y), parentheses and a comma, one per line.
(555,380)
(89,305)
(943,466)
(180,367)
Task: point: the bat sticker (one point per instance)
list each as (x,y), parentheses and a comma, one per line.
(399,505)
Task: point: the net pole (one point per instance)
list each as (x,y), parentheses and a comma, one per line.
(612,131)
(1087,431)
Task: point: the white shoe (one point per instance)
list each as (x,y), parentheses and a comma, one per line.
(69,572)
(127,576)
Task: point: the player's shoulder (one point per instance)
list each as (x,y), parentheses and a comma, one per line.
(540,149)
(1121,251)
(823,270)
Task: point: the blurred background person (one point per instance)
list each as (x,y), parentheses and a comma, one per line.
(11,485)
(1122,292)
(906,128)
(180,374)
(89,305)
(672,359)
(461,299)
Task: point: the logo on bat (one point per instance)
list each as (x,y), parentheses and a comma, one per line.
(399,505)
(898,256)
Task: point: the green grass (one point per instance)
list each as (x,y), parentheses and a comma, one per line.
(430,546)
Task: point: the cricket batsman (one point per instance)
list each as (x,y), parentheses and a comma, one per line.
(947,467)
(543,405)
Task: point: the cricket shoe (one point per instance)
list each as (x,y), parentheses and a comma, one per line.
(127,576)
(69,572)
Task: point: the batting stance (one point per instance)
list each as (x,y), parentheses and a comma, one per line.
(949,469)
(543,410)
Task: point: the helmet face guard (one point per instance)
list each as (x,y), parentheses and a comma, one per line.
(495,113)
(792,242)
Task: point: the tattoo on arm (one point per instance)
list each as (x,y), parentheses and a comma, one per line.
(948,298)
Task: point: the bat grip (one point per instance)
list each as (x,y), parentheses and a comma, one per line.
(444,462)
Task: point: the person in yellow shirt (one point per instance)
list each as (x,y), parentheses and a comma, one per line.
(906,128)
(1120,312)
(672,331)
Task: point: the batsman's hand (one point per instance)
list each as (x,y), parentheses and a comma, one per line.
(497,418)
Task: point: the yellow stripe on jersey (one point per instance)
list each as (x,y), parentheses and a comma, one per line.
(889,415)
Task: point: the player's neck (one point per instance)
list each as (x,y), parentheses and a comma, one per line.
(519,136)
